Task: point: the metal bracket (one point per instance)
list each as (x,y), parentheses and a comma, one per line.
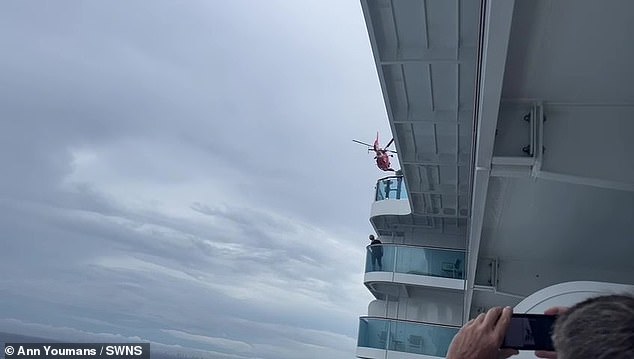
(529,165)
(532,117)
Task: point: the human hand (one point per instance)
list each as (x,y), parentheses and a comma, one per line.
(551,354)
(481,337)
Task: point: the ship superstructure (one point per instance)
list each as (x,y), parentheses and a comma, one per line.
(514,126)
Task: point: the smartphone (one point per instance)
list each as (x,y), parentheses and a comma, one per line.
(530,332)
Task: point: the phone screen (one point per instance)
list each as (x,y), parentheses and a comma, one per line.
(530,332)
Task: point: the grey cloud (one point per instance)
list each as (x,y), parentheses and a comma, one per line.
(167,247)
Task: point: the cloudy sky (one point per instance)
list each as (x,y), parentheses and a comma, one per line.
(183,172)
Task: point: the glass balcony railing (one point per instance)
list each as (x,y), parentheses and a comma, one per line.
(390,188)
(405,336)
(446,263)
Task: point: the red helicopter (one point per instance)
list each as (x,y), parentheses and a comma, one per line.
(382,157)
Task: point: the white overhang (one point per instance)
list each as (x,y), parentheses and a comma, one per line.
(496,29)
(425,57)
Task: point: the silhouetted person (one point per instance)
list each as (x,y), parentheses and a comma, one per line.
(376,249)
(387,189)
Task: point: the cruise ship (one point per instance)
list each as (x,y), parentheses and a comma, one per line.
(514,127)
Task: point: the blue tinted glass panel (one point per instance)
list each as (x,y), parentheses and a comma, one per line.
(415,260)
(420,338)
(430,262)
(380,258)
(373,333)
(408,337)
(390,188)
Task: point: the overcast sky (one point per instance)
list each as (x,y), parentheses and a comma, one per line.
(183,172)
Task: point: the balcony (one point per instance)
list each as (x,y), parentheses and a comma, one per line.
(412,266)
(390,338)
(390,197)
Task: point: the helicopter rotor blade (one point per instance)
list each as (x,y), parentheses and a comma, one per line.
(389,143)
(362,143)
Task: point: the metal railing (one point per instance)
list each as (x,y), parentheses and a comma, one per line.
(392,187)
(405,336)
(400,258)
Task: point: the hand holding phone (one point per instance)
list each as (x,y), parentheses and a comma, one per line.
(530,332)
(482,336)
(551,354)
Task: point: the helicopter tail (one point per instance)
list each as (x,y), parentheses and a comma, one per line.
(376,142)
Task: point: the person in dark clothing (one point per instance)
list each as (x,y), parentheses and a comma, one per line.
(376,249)
(388,188)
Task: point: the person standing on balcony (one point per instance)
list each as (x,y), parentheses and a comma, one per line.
(388,188)
(376,249)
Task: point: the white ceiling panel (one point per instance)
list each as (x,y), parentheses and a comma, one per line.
(442,18)
(425,53)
